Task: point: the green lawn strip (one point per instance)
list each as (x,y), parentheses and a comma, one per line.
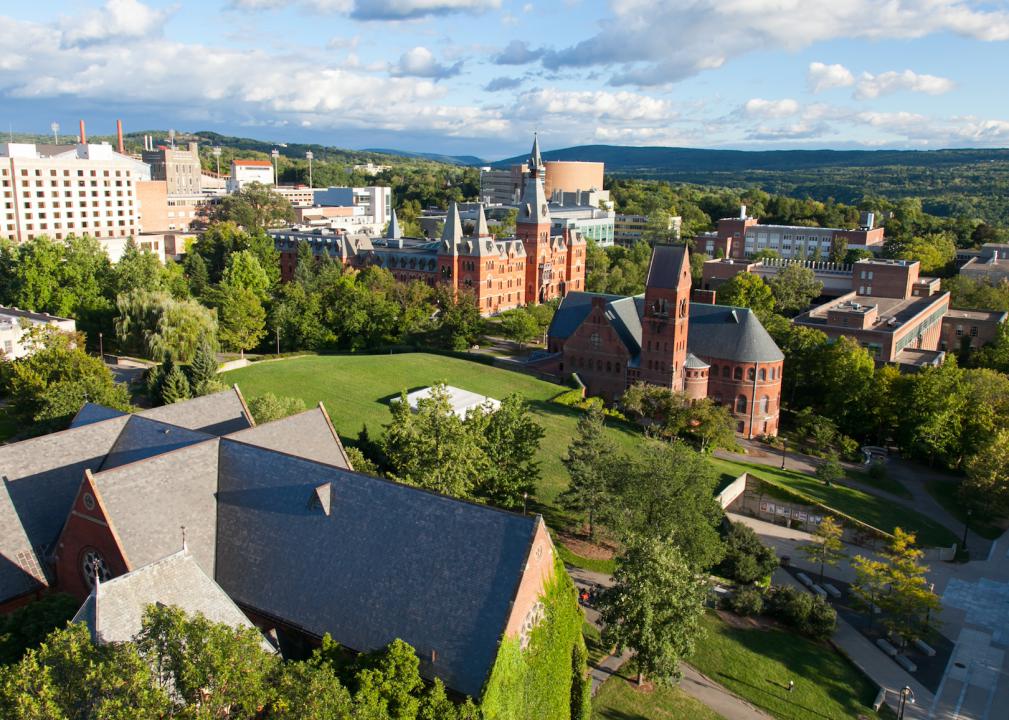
(757,664)
(886,484)
(619,699)
(945,493)
(594,643)
(593,564)
(870,509)
(356,389)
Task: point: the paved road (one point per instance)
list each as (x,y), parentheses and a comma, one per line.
(698,686)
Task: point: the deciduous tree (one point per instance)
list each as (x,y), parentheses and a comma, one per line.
(825,547)
(795,287)
(243,319)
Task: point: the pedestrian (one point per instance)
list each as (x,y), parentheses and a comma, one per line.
(791,684)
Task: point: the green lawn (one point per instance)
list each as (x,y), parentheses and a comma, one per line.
(871,509)
(593,564)
(594,643)
(757,665)
(945,493)
(886,483)
(618,699)
(356,389)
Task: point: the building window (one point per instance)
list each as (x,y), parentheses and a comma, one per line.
(741,404)
(92,566)
(725,371)
(973,330)
(763,375)
(959,330)
(595,340)
(737,374)
(751,374)
(764,402)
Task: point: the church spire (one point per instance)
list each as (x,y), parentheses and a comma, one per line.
(452,232)
(393,232)
(535,159)
(481,230)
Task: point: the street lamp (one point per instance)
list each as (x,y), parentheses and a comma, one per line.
(55,127)
(217,154)
(309,155)
(966,523)
(784,446)
(275,154)
(906,696)
(101,347)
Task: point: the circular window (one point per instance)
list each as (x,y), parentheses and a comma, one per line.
(92,566)
(89,501)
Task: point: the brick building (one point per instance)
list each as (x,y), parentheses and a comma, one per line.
(663,338)
(970,329)
(275,516)
(540,263)
(891,311)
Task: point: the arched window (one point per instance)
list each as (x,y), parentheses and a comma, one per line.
(725,371)
(763,375)
(737,374)
(714,371)
(762,407)
(741,404)
(751,373)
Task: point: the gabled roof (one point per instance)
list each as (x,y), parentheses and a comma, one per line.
(388,561)
(217,414)
(143,438)
(533,208)
(92,413)
(309,434)
(149,502)
(115,609)
(666,266)
(729,333)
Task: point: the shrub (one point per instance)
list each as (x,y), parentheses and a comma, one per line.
(747,560)
(747,601)
(849,447)
(821,621)
(809,614)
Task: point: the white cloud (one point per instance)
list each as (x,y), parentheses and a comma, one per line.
(502,83)
(759,107)
(517,52)
(376,9)
(822,77)
(872,86)
(635,40)
(627,106)
(116,20)
(420,62)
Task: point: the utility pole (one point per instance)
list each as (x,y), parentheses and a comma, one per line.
(217,154)
(309,155)
(275,154)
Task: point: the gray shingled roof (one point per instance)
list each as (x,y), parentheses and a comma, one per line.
(217,414)
(388,561)
(174,580)
(573,309)
(664,268)
(92,413)
(149,501)
(694,363)
(143,438)
(308,435)
(728,333)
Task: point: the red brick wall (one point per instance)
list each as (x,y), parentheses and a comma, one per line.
(728,380)
(86,528)
(601,365)
(538,572)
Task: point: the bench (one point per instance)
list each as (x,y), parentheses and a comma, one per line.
(886,647)
(925,648)
(819,591)
(905,663)
(834,592)
(804,579)
(880,698)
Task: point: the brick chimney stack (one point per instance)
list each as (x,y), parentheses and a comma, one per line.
(119,136)
(84,137)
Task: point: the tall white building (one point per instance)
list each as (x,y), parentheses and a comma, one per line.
(62,190)
(244,172)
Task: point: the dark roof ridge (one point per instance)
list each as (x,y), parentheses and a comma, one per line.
(376,478)
(211,438)
(67,430)
(134,417)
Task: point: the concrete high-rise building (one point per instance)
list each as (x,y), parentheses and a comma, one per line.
(178,167)
(84,189)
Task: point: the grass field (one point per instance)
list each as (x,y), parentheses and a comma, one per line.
(871,509)
(619,699)
(757,665)
(356,389)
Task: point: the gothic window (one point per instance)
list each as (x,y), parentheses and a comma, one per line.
(92,566)
(683,307)
(595,341)
(618,367)
(533,618)
(737,374)
(751,374)
(763,374)
(741,404)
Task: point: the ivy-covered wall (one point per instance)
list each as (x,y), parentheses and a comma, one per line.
(547,680)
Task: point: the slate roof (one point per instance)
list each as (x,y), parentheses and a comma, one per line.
(142,438)
(387,561)
(92,413)
(150,501)
(664,267)
(218,414)
(729,333)
(309,434)
(174,580)
(715,331)
(695,363)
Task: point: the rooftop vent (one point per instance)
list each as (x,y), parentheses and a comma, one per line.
(322,497)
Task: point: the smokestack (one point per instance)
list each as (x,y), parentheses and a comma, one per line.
(742,212)
(119,136)
(84,137)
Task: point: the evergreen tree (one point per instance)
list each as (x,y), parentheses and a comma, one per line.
(196,271)
(203,371)
(174,386)
(590,460)
(654,607)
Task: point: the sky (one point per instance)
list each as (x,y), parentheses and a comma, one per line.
(479,77)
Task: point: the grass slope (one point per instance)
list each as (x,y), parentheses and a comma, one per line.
(876,511)
(945,493)
(618,699)
(757,665)
(356,389)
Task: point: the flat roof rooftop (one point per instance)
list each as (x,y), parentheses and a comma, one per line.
(900,310)
(995,315)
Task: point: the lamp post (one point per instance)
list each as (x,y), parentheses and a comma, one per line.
(275,154)
(309,155)
(525,503)
(966,523)
(906,696)
(55,127)
(101,347)
(217,155)
(784,446)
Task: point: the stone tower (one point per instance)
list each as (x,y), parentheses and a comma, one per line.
(664,322)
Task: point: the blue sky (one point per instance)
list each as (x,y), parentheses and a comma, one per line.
(479,76)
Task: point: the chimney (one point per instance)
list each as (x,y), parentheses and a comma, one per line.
(742,212)
(119,136)
(84,137)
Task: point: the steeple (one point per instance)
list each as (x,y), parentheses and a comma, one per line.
(533,208)
(481,230)
(451,234)
(535,159)
(393,232)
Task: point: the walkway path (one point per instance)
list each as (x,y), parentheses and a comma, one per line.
(694,684)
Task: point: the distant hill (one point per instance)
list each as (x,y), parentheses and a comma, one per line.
(437,157)
(658,161)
